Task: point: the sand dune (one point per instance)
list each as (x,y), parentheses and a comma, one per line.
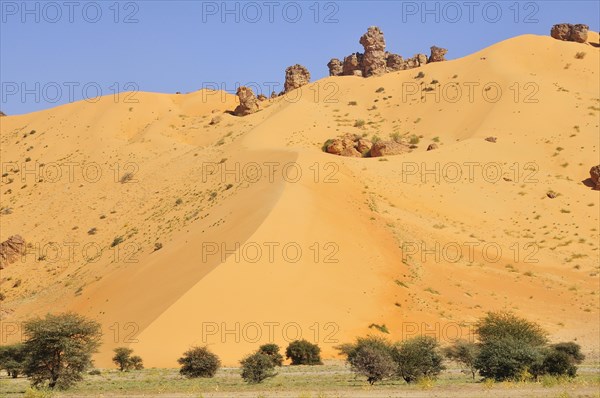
(345,244)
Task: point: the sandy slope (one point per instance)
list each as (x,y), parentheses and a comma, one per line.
(362,225)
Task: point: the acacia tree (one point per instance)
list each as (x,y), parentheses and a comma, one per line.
(464,352)
(257,367)
(418,358)
(122,358)
(272,351)
(199,362)
(370,357)
(60,348)
(125,361)
(12,359)
(303,352)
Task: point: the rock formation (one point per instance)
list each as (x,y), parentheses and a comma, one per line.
(374,61)
(352,63)
(296,76)
(561,31)
(248,102)
(262,97)
(395,62)
(344,146)
(595,176)
(363,146)
(437,54)
(349,145)
(385,148)
(336,67)
(2,114)
(579,33)
(431,147)
(11,249)
(568,32)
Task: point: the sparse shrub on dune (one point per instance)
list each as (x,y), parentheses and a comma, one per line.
(381,328)
(359,123)
(117,241)
(199,362)
(125,178)
(396,137)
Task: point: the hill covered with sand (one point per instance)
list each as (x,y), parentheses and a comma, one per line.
(174,222)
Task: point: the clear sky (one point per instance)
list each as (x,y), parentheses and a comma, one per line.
(52,52)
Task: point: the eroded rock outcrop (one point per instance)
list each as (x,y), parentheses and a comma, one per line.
(349,145)
(2,114)
(568,32)
(363,146)
(595,176)
(352,63)
(579,33)
(11,249)
(336,68)
(374,61)
(395,62)
(438,54)
(386,148)
(356,146)
(296,76)
(248,102)
(344,146)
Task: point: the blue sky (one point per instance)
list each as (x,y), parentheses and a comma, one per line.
(52,50)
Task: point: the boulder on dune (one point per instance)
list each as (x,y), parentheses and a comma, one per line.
(11,249)
(387,148)
(248,102)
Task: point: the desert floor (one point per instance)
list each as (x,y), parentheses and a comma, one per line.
(332,380)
